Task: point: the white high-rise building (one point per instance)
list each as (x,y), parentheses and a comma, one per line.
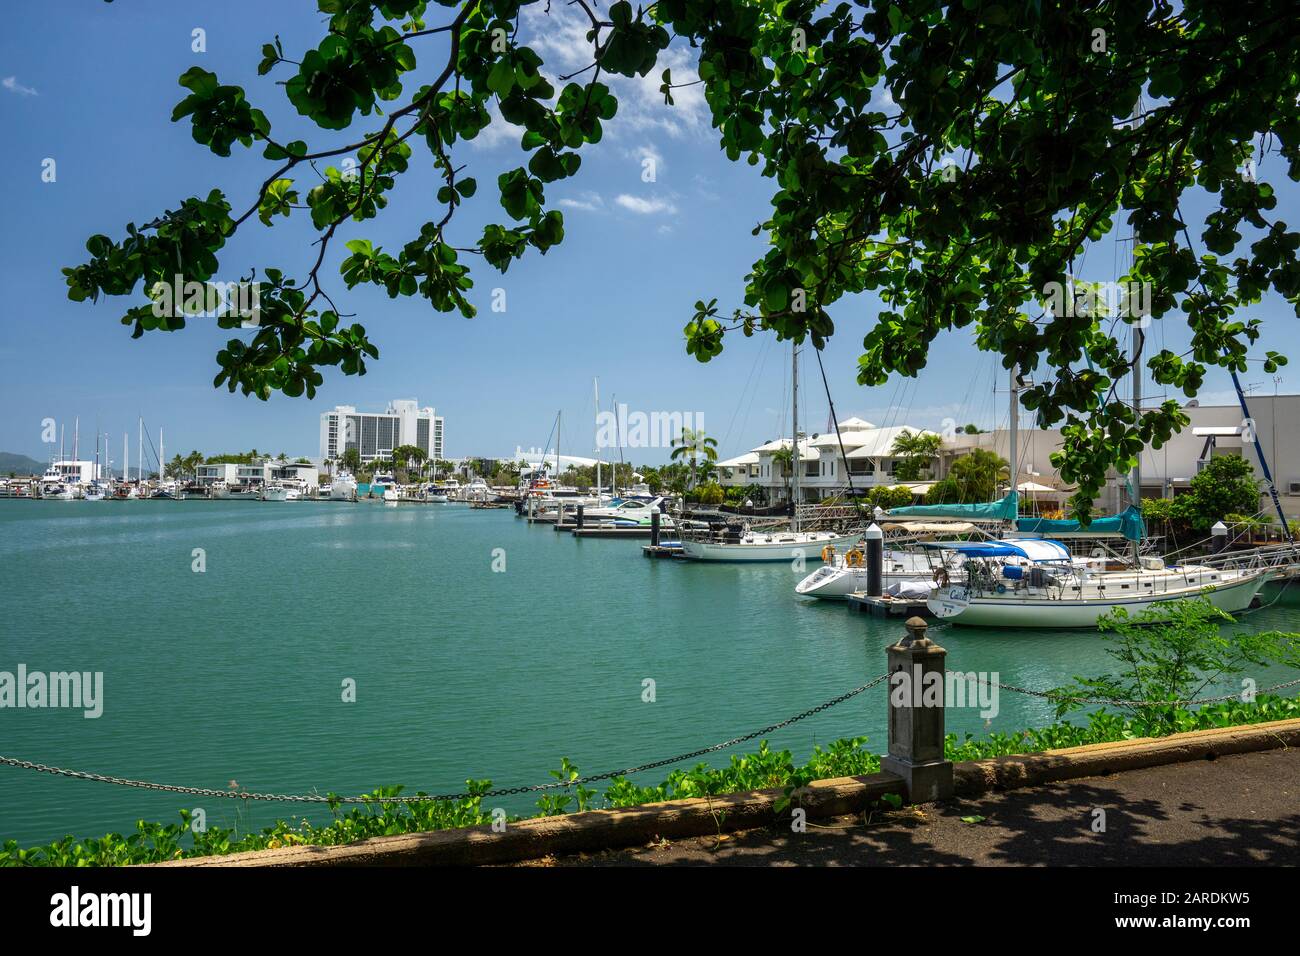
(375,434)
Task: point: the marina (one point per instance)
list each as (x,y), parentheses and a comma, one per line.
(499,434)
(257,647)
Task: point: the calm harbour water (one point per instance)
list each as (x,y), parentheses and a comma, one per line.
(235,674)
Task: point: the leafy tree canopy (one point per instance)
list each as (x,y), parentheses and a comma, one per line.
(1012,136)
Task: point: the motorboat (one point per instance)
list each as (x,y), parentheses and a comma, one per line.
(95,491)
(845,572)
(343,487)
(274,491)
(738,543)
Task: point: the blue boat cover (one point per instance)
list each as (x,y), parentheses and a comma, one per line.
(1004,510)
(1128,523)
(1035,549)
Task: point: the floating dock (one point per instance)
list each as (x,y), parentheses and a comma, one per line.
(663,551)
(599,531)
(886,606)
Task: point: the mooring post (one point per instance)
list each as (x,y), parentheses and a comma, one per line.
(1218,537)
(875,560)
(654,527)
(580,510)
(916,702)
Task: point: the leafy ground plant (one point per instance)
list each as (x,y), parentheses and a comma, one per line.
(766,768)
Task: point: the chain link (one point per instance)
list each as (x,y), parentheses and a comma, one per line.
(425,798)
(561,784)
(1053,695)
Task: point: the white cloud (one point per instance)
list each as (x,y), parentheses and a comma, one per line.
(497,132)
(588,202)
(11,84)
(645,207)
(560,38)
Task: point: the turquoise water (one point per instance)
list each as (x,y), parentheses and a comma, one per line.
(235,674)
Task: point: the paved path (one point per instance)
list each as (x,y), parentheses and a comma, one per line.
(1240,809)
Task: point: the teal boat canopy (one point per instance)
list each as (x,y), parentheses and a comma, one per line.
(1004,510)
(1128,523)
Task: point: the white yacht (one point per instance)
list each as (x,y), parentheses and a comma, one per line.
(54,485)
(343,487)
(274,491)
(747,545)
(1037,583)
(95,491)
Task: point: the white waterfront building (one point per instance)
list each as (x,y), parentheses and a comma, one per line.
(374,435)
(867,462)
(1214,431)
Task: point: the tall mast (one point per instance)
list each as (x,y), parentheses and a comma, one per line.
(161,458)
(139,454)
(596,385)
(794,441)
(1015,428)
(1135,493)
(126,459)
(76,442)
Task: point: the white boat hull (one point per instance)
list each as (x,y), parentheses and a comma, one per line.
(775,547)
(836,583)
(953,604)
(275,494)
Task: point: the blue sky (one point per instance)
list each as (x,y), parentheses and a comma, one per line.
(610,302)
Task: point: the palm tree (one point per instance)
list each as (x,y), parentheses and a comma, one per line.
(694,445)
(977,474)
(916,450)
(785,458)
(405,454)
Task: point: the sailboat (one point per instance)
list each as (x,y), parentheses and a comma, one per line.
(737,542)
(1030,580)
(1036,582)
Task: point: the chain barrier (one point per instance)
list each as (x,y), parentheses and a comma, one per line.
(425,798)
(1055,696)
(608,775)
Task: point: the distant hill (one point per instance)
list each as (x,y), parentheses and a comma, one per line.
(20,464)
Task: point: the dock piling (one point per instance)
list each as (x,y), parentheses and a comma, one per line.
(875,560)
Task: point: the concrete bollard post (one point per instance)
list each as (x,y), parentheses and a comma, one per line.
(875,560)
(1218,537)
(581,508)
(654,527)
(916,716)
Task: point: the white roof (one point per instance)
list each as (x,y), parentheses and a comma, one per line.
(1034,486)
(880,441)
(748,458)
(855,424)
(806,450)
(1219,431)
(851,438)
